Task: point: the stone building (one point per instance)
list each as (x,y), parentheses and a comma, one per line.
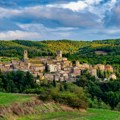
(109,68)
(100,67)
(93,72)
(25,55)
(113,77)
(77,63)
(76,71)
(52,68)
(59,55)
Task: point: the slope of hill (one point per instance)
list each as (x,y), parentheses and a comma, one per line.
(66,46)
(28,107)
(109,41)
(91,114)
(108,52)
(7,99)
(86,51)
(12,106)
(42,48)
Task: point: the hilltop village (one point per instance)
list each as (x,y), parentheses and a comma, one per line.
(58,68)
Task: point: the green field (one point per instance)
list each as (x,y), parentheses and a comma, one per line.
(7,98)
(7,59)
(91,114)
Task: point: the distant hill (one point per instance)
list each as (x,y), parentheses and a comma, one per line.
(98,51)
(107,52)
(66,46)
(15,48)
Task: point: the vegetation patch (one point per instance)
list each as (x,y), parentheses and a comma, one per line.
(7,99)
(91,114)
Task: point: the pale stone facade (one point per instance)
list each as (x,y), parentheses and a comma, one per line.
(59,69)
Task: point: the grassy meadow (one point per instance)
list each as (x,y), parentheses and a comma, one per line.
(7,99)
(91,114)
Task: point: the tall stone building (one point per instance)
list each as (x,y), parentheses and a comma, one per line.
(59,54)
(25,55)
(77,63)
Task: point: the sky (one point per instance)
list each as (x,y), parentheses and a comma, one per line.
(59,19)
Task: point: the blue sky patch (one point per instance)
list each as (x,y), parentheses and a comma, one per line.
(59,19)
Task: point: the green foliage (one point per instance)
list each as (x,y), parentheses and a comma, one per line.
(98,103)
(83,51)
(104,93)
(8,98)
(91,114)
(75,99)
(54,83)
(67,46)
(112,98)
(111,50)
(64,93)
(44,48)
(118,107)
(16,81)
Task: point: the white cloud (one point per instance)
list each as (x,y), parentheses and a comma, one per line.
(101,10)
(112,31)
(79,19)
(113,17)
(41,27)
(86,9)
(37,32)
(10,35)
(5,12)
(74,6)
(63,17)
(93,6)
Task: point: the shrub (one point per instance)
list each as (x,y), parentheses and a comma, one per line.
(118,107)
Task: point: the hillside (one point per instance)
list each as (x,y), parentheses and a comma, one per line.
(7,99)
(102,53)
(13,106)
(28,107)
(66,46)
(15,48)
(40,48)
(91,114)
(93,52)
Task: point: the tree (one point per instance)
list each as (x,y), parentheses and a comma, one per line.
(81,81)
(1,85)
(54,83)
(65,86)
(112,98)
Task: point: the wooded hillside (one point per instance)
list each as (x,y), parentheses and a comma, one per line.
(101,51)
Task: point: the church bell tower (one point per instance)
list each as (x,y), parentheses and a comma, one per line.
(59,55)
(25,55)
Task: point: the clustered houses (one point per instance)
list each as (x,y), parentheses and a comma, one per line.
(59,68)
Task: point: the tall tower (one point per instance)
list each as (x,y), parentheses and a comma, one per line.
(77,63)
(59,54)
(25,55)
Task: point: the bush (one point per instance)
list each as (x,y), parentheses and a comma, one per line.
(71,98)
(118,107)
(98,104)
